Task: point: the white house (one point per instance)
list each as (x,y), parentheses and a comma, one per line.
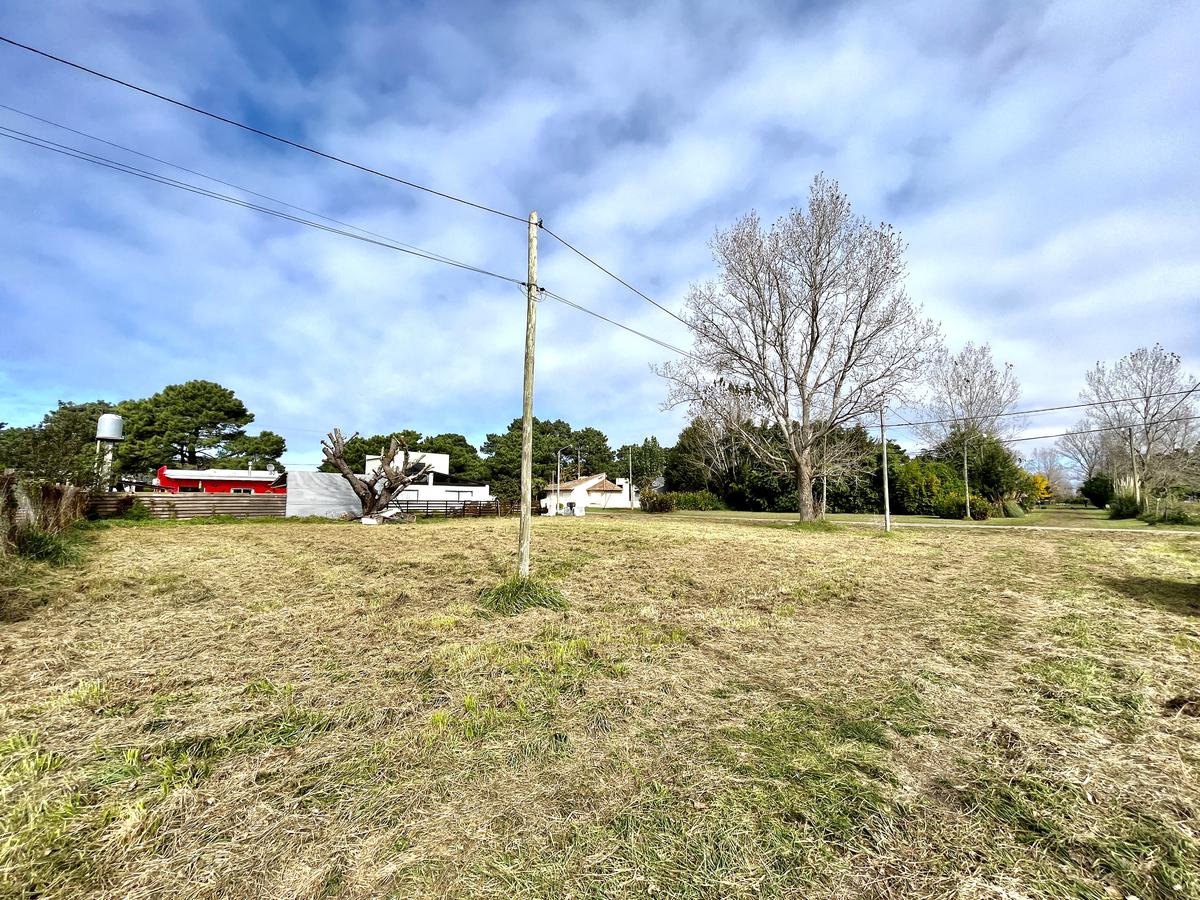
(592,491)
(328,493)
(439,485)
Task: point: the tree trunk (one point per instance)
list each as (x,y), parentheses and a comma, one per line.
(804,486)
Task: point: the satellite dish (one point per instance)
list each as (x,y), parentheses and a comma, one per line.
(271,468)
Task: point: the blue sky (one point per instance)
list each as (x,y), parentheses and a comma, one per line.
(1040,159)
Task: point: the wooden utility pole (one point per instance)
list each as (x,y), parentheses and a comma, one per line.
(966,481)
(531,293)
(887,502)
(1137,487)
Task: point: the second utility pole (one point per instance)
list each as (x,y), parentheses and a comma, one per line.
(887,502)
(531,292)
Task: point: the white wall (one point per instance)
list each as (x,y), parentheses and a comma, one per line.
(439,461)
(451,492)
(320,494)
(578,496)
(621,500)
(328,494)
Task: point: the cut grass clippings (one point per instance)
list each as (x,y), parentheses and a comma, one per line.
(243,709)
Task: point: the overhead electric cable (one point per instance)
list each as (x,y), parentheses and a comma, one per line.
(1044,437)
(212,178)
(621,325)
(1028,412)
(613,275)
(1186,394)
(104,162)
(267,134)
(77,153)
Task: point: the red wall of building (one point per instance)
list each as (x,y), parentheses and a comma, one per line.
(217,486)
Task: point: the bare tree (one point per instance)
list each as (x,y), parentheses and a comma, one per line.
(1047,462)
(968,392)
(709,447)
(1145,397)
(375,490)
(807,329)
(839,458)
(1090,452)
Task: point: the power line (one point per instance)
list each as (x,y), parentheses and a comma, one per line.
(612,274)
(274,137)
(390,243)
(1045,409)
(621,325)
(324,155)
(104,162)
(1184,397)
(1043,437)
(212,178)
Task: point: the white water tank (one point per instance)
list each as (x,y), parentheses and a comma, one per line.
(111,427)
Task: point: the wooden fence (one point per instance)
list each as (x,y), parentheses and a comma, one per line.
(463,509)
(191,506)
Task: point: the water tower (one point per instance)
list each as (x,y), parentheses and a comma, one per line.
(110,431)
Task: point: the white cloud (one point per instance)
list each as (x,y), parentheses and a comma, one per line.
(1039,161)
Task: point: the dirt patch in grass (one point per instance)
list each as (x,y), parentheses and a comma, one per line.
(315,711)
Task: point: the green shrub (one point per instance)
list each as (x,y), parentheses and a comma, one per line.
(658,502)
(917,487)
(1123,506)
(1171,515)
(954,506)
(702,501)
(1012,509)
(1098,490)
(137,512)
(58,549)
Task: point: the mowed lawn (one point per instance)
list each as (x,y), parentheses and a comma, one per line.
(300,710)
(1049,517)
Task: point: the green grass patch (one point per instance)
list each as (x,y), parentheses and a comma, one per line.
(1083,631)
(781,801)
(56,548)
(1081,690)
(564,564)
(139,522)
(518,594)
(1093,851)
(816,526)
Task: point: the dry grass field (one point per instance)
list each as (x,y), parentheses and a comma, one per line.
(300,710)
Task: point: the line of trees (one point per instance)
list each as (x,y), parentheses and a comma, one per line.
(807,333)
(191,425)
(497,462)
(709,457)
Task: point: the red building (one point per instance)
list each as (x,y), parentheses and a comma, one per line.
(218,481)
